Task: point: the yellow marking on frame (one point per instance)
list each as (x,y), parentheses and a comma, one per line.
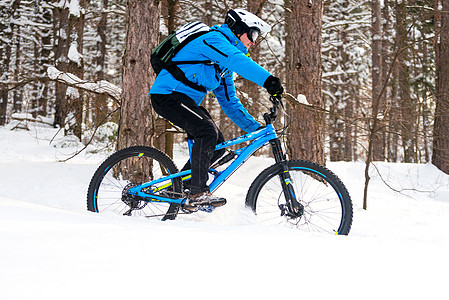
(140,155)
(162,187)
(169,184)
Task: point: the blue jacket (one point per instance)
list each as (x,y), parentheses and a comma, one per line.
(229,53)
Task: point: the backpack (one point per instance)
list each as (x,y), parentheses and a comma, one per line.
(161,57)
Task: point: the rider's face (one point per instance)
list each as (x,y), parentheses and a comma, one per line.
(245,40)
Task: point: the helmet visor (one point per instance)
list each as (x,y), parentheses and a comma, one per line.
(253,34)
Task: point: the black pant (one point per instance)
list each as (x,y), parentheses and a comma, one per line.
(182,111)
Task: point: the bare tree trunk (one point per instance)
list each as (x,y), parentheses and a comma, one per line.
(348,132)
(340,131)
(407,104)
(5,56)
(303,54)
(100,101)
(168,10)
(377,103)
(208,7)
(375,142)
(61,32)
(164,138)
(17,93)
(427,71)
(387,102)
(44,59)
(440,157)
(357,105)
(348,100)
(76,67)
(394,116)
(136,125)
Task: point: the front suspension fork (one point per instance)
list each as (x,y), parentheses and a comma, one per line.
(294,208)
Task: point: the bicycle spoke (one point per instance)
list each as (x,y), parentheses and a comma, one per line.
(323,211)
(127,168)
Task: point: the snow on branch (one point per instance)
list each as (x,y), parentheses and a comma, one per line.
(99,87)
(301,99)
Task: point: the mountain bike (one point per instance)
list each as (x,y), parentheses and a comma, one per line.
(143,181)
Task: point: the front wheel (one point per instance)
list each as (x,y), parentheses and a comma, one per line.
(326,201)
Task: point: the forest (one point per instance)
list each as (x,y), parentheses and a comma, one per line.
(375,73)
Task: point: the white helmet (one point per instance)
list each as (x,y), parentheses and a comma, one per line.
(241,21)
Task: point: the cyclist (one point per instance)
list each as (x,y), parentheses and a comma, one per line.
(227,47)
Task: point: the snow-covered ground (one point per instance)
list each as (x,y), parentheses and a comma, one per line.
(52,248)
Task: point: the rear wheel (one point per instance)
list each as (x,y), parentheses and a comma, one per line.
(326,201)
(125,169)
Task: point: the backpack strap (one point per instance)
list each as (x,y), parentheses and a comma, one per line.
(178,74)
(192,62)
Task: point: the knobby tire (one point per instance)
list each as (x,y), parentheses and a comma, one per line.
(126,168)
(327,203)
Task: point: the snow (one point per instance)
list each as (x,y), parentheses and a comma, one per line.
(52,248)
(72,5)
(302,99)
(74,55)
(99,87)
(75,8)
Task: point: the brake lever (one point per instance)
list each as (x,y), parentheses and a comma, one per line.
(276,100)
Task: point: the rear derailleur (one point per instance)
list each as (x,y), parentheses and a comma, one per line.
(133,202)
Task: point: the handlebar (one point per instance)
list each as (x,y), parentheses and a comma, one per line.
(271,117)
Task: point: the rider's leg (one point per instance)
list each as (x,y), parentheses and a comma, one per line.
(183,112)
(217,154)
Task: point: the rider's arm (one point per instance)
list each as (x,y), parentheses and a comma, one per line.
(217,48)
(232,106)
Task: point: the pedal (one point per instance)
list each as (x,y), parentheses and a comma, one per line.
(206,208)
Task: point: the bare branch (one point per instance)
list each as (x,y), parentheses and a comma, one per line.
(91,137)
(97,87)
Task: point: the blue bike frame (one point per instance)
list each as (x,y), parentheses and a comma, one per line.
(259,139)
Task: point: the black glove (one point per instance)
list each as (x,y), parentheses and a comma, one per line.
(273,85)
